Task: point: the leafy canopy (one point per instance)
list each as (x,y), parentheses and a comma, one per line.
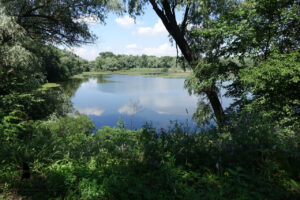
(58,21)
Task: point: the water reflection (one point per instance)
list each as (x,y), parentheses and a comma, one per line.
(135,99)
(71,86)
(130,108)
(173,104)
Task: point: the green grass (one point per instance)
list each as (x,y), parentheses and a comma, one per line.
(49,85)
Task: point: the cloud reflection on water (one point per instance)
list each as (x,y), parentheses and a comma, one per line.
(164,104)
(130,108)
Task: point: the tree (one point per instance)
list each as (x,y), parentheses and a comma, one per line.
(20,69)
(25,28)
(254,44)
(218,38)
(166,10)
(275,88)
(57,21)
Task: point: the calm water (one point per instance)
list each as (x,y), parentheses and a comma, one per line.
(134,99)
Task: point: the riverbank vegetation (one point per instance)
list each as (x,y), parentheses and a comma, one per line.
(252,152)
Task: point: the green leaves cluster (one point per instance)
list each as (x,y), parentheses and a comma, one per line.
(53,21)
(274,84)
(252,45)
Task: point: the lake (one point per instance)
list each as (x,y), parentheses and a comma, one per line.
(135,100)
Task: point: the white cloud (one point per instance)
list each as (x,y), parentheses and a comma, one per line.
(132,49)
(162,50)
(131,46)
(86,53)
(91,111)
(126,22)
(130,108)
(158,29)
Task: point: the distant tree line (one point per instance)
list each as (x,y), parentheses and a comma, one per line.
(110,61)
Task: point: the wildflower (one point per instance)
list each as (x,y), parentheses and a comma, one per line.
(226,174)
(217,165)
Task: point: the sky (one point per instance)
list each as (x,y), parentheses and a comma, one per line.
(122,35)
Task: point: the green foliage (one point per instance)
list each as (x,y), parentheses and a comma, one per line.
(57,21)
(56,64)
(23,64)
(69,160)
(274,85)
(251,44)
(109,61)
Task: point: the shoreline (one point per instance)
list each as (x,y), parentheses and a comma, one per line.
(155,72)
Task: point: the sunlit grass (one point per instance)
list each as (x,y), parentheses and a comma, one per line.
(49,85)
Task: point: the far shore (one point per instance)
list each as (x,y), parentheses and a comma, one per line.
(158,72)
(153,72)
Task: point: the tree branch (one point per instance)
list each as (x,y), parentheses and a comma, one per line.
(184,22)
(159,12)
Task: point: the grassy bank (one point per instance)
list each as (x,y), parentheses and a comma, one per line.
(157,72)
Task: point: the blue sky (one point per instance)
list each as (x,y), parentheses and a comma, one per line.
(121,35)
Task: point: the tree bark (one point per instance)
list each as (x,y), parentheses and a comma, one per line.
(167,15)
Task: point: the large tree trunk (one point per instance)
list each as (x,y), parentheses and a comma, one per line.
(215,103)
(167,15)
